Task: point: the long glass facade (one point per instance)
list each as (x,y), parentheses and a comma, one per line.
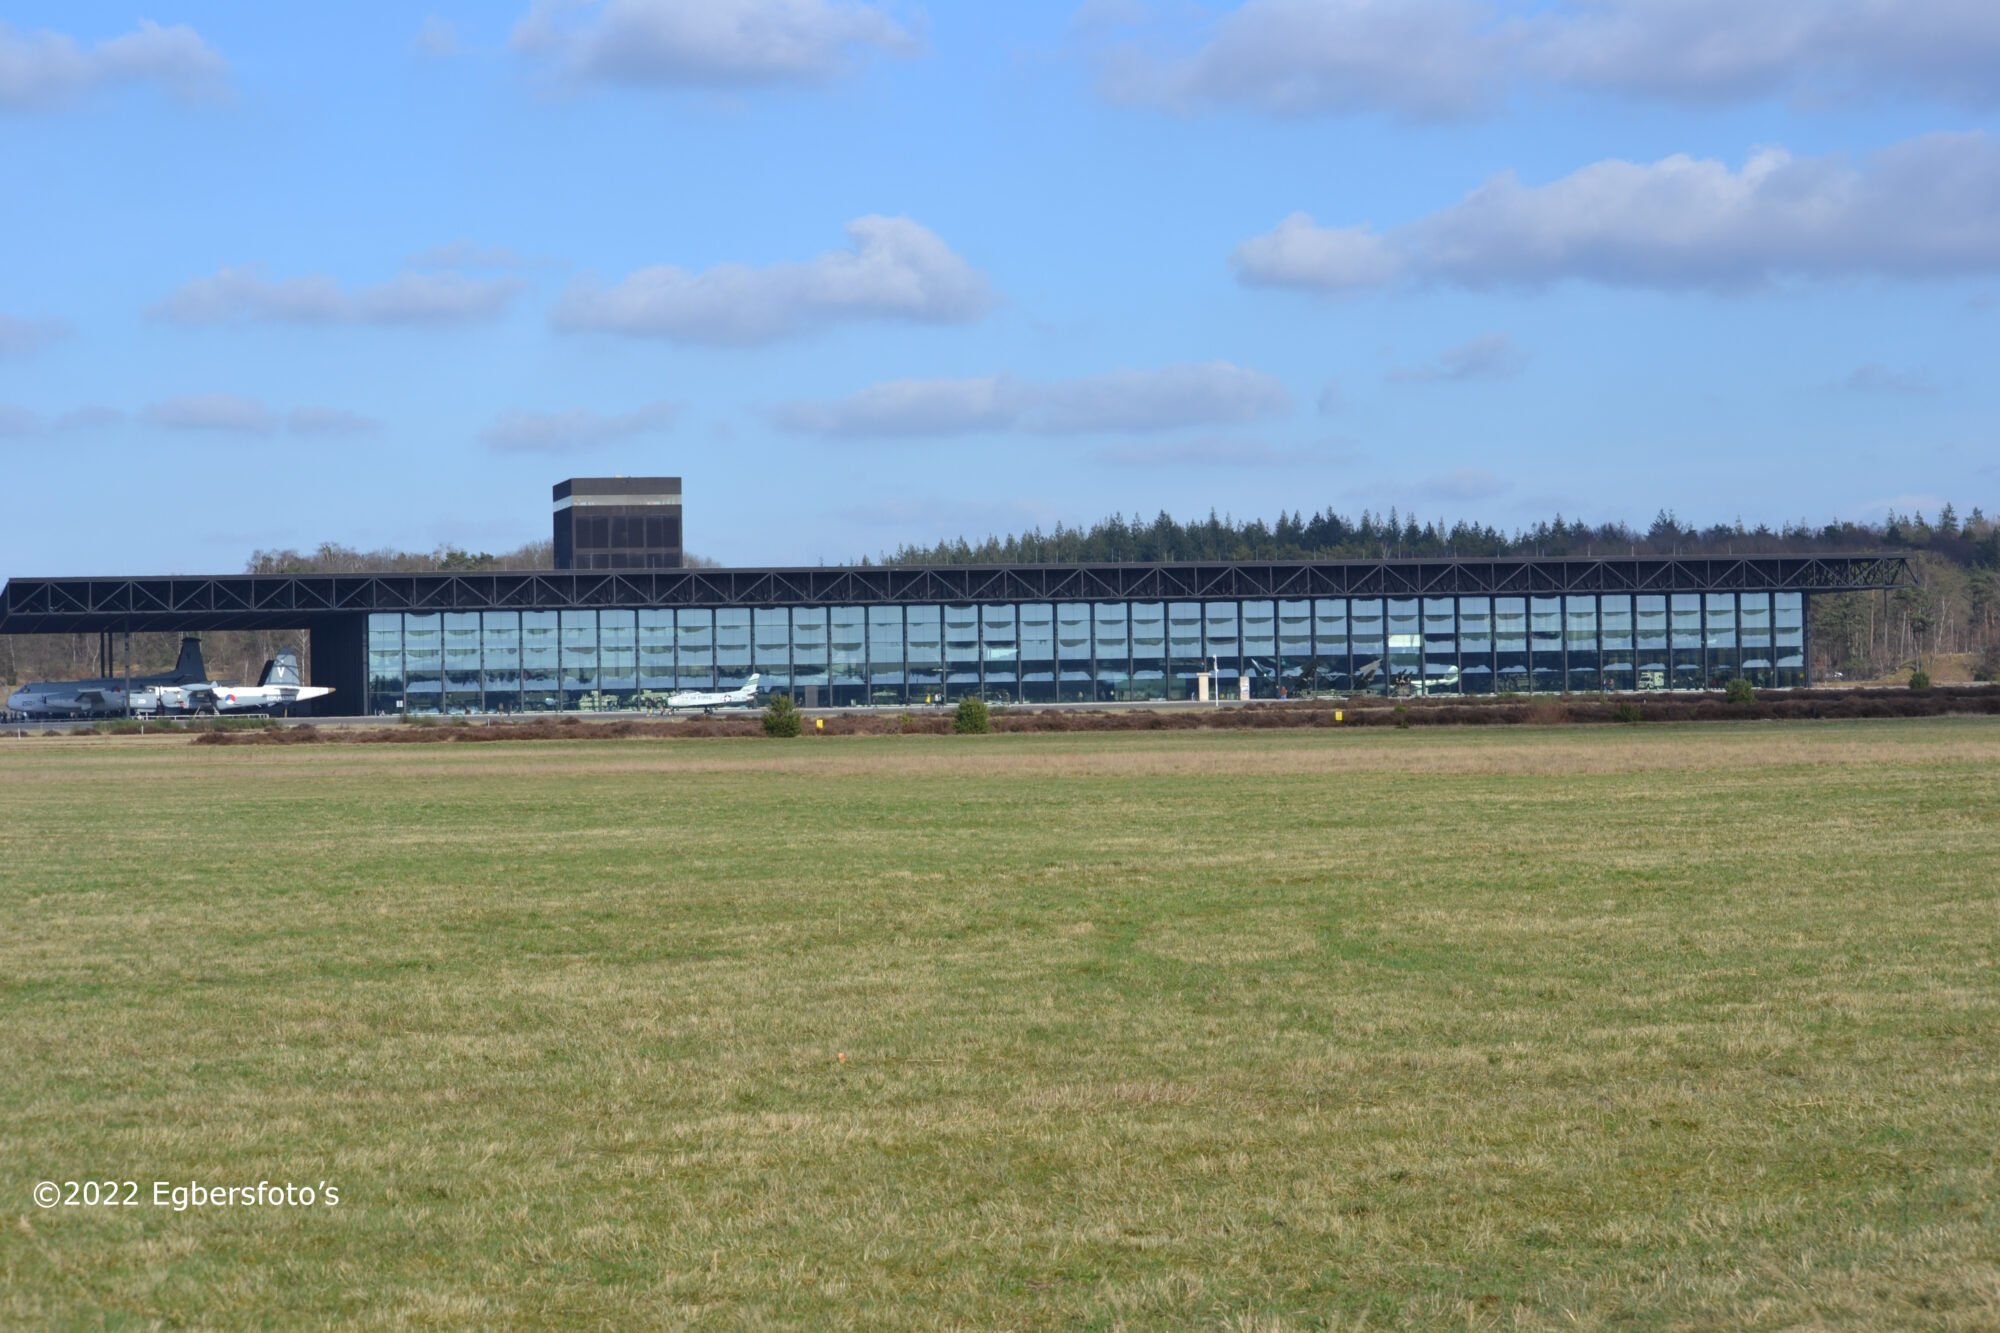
(1081,652)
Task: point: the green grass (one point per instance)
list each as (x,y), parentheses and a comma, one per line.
(1543,1028)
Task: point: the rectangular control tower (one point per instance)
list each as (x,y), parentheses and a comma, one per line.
(618,523)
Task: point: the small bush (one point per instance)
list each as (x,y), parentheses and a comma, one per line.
(1739,691)
(1402,717)
(782,717)
(1988,665)
(1625,713)
(971,717)
(1920,681)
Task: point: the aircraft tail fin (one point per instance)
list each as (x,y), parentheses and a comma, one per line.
(282,669)
(190,667)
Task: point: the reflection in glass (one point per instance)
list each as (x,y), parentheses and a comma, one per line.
(885,656)
(1475,644)
(1580,642)
(1149,650)
(1684,623)
(924,626)
(847,633)
(1038,653)
(961,651)
(541,658)
(1000,651)
(423,663)
(1615,626)
(1366,634)
(1510,644)
(1336,668)
(1652,654)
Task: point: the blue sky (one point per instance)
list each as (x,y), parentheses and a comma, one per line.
(277,275)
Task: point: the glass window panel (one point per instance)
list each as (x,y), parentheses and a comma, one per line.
(923,628)
(1651,669)
(1184,649)
(961,651)
(617,657)
(809,648)
(1510,645)
(1000,648)
(694,649)
(1615,659)
(847,637)
(1475,645)
(1580,642)
(1367,635)
(1149,650)
(541,657)
(732,647)
(771,645)
(885,655)
(1684,620)
(656,657)
(1788,631)
(1406,644)
(385,662)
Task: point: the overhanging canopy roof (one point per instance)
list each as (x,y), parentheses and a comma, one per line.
(292,601)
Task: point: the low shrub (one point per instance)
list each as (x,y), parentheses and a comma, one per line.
(782,717)
(971,717)
(1920,681)
(1739,691)
(1626,713)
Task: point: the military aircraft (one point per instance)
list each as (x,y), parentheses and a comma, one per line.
(278,690)
(105,698)
(709,700)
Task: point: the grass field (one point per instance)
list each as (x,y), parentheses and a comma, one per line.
(1544,1028)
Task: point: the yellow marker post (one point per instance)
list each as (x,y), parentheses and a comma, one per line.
(819,724)
(1339,716)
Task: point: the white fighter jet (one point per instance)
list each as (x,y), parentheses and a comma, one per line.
(710,700)
(278,690)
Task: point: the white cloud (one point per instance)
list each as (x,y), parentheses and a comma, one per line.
(1464,483)
(1448,59)
(913,407)
(1300,253)
(437,39)
(213,412)
(1205,393)
(577,429)
(1422,60)
(245,295)
(708,43)
(16,422)
(1877,378)
(1926,207)
(44,69)
(1715,51)
(18,337)
(1491,356)
(329,421)
(1332,402)
(896,269)
(1200,394)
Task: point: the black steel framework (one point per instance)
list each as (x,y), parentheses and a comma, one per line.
(302,601)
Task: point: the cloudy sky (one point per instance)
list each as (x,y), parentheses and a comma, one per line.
(866,273)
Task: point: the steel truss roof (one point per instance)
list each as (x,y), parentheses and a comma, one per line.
(285,601)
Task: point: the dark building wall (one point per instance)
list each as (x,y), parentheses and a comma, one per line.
(340,659)
(618,523)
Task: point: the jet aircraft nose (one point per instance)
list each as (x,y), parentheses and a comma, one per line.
(18,701)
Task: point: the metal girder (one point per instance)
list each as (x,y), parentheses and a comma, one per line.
(281,601)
